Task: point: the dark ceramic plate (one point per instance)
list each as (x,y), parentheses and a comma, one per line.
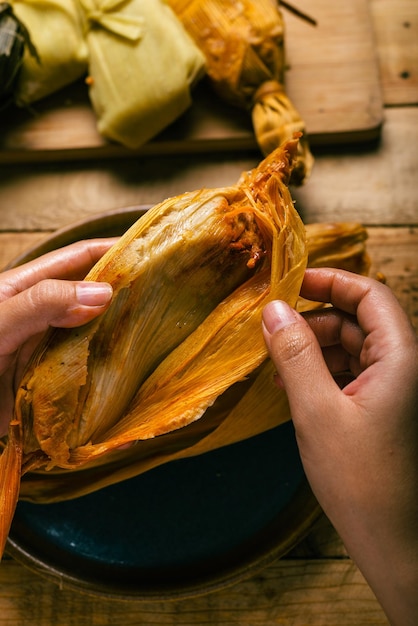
(184,528)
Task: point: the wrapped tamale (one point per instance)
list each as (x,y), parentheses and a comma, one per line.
(243,43)
(56,32)
(142,67)
(14,40)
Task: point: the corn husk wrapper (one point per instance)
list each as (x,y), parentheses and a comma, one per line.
(142,67)
(246,409)
(56,32)
(193,345)
(190,280)
(243,43)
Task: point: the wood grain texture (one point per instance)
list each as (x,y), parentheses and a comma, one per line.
(361,184)
(374,184)
(333,70)
(320,592)
(396,35)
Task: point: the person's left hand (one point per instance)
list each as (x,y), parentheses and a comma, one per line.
(48,291)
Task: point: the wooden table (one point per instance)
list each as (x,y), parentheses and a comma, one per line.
(375,184)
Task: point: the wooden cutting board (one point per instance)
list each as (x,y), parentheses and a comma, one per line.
(332,78)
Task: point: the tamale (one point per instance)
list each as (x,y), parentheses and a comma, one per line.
(177,366)
(243,43)
(14,39)
(55,30)
(190,280)
(142,67)
(247,408)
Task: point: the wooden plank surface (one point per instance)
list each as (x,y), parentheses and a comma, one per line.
(332,78)
(371,181)
(374,184)
(396,36)
(321,592)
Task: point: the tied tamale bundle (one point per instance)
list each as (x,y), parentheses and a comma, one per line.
(142,67)
(56,32)
(243,43)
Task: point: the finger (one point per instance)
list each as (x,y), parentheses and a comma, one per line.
(360,296)
(386,327)
(49,303)
(339,361)
(340,337)
(71,263)
(298,359)
(333,328)
(343,290)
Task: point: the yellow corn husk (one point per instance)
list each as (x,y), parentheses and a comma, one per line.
(247,408)
(142,67)
(190,280)
(340,245)
(56,32)
(177,365)
(243,43)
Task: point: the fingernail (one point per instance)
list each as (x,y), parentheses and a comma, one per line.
(93,294)
(277,315)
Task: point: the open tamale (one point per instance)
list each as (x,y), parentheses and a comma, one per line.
(247,408)
(142,67)
(177,366)
(243,43)
(190,280)
(56,32)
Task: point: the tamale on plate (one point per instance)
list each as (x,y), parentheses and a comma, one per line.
(190,280)
(177,366)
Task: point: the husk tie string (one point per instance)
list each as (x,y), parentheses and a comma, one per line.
(107,14)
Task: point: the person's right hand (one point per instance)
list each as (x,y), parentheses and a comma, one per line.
(48,291)
(358,443)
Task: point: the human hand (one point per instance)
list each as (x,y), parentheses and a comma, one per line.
(48,291)
(358,443)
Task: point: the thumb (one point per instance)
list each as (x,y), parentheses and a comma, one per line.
(298,359)
(49,302)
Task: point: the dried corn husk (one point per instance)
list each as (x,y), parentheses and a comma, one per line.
(190,280)
(56,32)
(247,408)
(340,245)
(196,395)
(142,67)
(207,387)
(243,43)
